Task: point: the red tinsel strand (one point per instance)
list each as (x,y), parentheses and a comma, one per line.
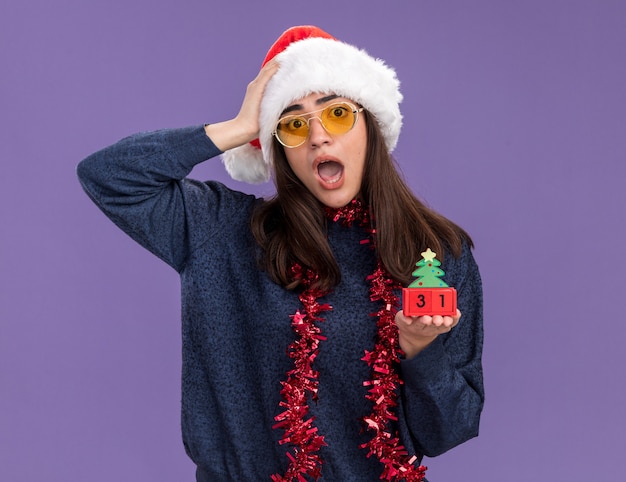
(302,382)
(354,211)
(385,380)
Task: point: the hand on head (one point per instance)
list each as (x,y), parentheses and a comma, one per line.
(248,116)
(244,128)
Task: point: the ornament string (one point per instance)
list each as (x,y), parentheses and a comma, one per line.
(302,382)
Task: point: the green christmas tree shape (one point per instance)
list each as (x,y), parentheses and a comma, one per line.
(428,274)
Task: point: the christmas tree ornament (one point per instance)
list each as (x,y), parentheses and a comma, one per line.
(428,294)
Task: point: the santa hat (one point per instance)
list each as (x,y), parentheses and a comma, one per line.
(312,61)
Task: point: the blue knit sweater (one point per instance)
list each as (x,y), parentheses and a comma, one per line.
(236,324)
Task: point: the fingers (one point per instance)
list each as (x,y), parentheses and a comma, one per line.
(257,86)
(438,323)
(269,69)
(448,322)
(250,108)
(416,332)
(244,127)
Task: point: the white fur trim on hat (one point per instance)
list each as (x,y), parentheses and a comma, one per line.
(325,66)
(245,163)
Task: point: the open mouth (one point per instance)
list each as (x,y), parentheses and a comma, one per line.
(330,171)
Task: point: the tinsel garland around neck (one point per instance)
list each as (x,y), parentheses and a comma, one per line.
(302,382)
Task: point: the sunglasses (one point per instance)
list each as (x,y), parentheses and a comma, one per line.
(337,118)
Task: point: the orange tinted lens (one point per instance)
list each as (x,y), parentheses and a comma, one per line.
(292,130)
(338,118)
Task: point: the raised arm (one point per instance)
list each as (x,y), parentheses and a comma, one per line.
(139,182)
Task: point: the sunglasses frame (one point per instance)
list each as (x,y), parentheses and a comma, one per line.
(307,116)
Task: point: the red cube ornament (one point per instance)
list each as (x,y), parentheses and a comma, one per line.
(428,294)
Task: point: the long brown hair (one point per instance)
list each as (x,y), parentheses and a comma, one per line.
(291,226)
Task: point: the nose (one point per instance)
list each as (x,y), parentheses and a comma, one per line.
(317,133)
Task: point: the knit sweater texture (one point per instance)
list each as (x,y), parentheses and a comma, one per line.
(236,326)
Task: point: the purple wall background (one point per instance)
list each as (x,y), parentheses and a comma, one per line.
(515,126)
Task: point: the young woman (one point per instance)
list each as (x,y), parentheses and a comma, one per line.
(298,363)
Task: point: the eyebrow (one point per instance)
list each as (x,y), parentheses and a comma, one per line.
(320,101)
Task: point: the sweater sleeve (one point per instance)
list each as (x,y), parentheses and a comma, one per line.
(139,183)
(443,392)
